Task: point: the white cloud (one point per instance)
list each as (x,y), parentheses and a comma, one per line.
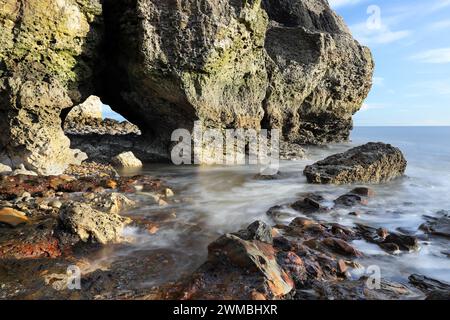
(439,25)
(433,56)
(378,81)
(440,4)
(381,35)
(372,106)
(429,88)
(342,3)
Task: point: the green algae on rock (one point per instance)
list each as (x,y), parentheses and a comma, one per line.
(47,49)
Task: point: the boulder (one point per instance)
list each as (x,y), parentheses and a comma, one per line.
(434,289)
(90,109)
(392,242)
(90,224)
(47,53)
(437,226)
(12,217)
(258,230)
(126,160)
(370,163)
(238,265)
(291,65)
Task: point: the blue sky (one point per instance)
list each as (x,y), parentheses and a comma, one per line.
(411,47)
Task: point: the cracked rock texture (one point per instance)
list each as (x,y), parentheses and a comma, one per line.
(369,163)
(47,49)
(288,64)
(285,64)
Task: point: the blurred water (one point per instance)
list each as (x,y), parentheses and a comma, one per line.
(217,200)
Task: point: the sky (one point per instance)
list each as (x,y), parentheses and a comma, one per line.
(410,42)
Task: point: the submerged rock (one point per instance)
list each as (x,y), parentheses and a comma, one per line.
(434,289)
(437,226)
(392,242)
(360,290)
(350,200)
(370,163)
(126,160)
(91,224)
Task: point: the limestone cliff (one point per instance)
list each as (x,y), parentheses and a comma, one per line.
(47,49)
(163,64)
(289,64)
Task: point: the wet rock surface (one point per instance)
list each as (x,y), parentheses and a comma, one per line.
(90,224)
(435,290)
(437,226)
(305,258)
(390,241)
(370,163)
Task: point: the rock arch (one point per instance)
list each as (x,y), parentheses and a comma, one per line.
(290,64)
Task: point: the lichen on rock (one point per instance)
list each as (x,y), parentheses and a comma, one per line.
(369,163)
(47,49)
(291,65)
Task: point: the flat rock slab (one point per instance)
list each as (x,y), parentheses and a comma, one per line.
(12,217)
(370,163)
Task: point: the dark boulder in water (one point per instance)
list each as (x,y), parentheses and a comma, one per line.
(434,289)
(370,163)
(437,226)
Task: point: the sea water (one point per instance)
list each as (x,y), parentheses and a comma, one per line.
(217,200)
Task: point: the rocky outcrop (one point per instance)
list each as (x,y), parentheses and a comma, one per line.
(91,224)
(291,65)
(47,52)
(126,160)
(437,226)
(90,109)
(288,64)
(435,289)
(370,163)
(318,74)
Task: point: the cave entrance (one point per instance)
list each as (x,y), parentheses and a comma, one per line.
(100,132)
(94,117)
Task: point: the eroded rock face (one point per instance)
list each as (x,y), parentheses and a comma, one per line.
(318,74)
(90,109)
(47,49)
(287,64)
(90,224)
(291,64)
(370,163)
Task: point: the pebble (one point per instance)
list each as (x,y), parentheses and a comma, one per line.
(12,217)
(169,193)
(55,204)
